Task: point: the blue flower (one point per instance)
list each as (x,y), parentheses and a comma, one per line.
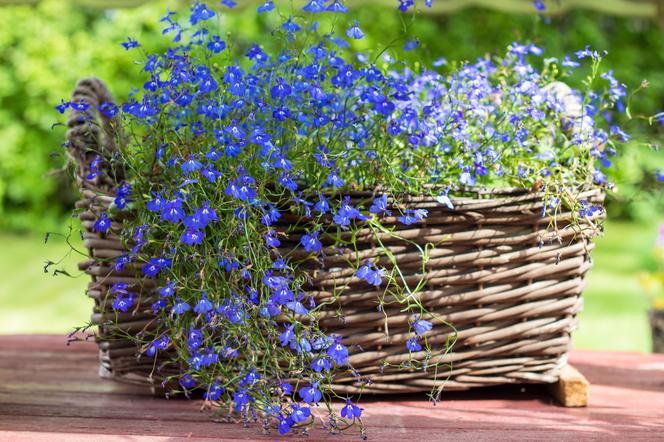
(297,307)
(411,44)
(160,343)
(337,6)
(300,413)
(440,61)
(539,5)
(242,398)
(192,237)
(569,63)
(287,336)
(346,213)
(285,425)
(265,7)
(172,211)
(123,303)
(203,306)
(371,274)
(659,175)
(241,188)
(421,326)
(321,364)
(338,352)
(311,243)
(310,394)
(281,90)
(467,179)
(355,32)
(214,391)
(102,224)
(380,205)
(129,44)
(314,6)
(180,307)
(271,240)
(200,12)
(413,345)
(167,291)
(63,106)
(79,105)
(156,204)
(412,216)
(194,338)
(599,177)
(187,381)
(350,410)
(290,26)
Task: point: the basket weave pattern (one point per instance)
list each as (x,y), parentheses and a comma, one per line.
(499,273)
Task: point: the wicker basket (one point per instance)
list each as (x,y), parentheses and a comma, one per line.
(509,284)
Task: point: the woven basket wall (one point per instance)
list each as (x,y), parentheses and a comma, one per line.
(509,284)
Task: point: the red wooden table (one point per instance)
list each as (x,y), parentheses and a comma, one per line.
(50,391)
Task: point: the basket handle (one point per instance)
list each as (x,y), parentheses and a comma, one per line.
(87,139)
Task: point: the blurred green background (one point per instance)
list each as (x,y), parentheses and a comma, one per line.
(46,46)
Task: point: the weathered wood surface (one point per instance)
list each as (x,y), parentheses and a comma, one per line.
(49,391)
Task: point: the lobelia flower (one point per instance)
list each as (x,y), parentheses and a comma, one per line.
(160,343)
(299,414)
(121,194)
(214,391)
(129,44)
(265,7)
(659,175)
(204,305)
(350,410)
(338,352)
(311,243)
(379,205)
(321,364)
(180,307)
(200,12)
(413,216)
(421,326)
(314,6)
(102,224)
(123,303)
(187,381)
(337,6)
(413,345)
(310,394)
(355,32)
(370,274)
(192,237)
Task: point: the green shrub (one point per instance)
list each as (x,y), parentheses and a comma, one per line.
(59,42)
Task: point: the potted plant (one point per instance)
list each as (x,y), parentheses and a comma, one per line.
(308,224)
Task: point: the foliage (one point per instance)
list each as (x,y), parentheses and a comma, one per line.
(60,42)
(276,145)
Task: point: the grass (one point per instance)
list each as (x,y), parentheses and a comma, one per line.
(615,315)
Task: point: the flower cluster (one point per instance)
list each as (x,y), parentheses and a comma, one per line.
(225,151)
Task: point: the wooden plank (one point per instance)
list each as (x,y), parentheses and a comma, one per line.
(68,402)
(572,388)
